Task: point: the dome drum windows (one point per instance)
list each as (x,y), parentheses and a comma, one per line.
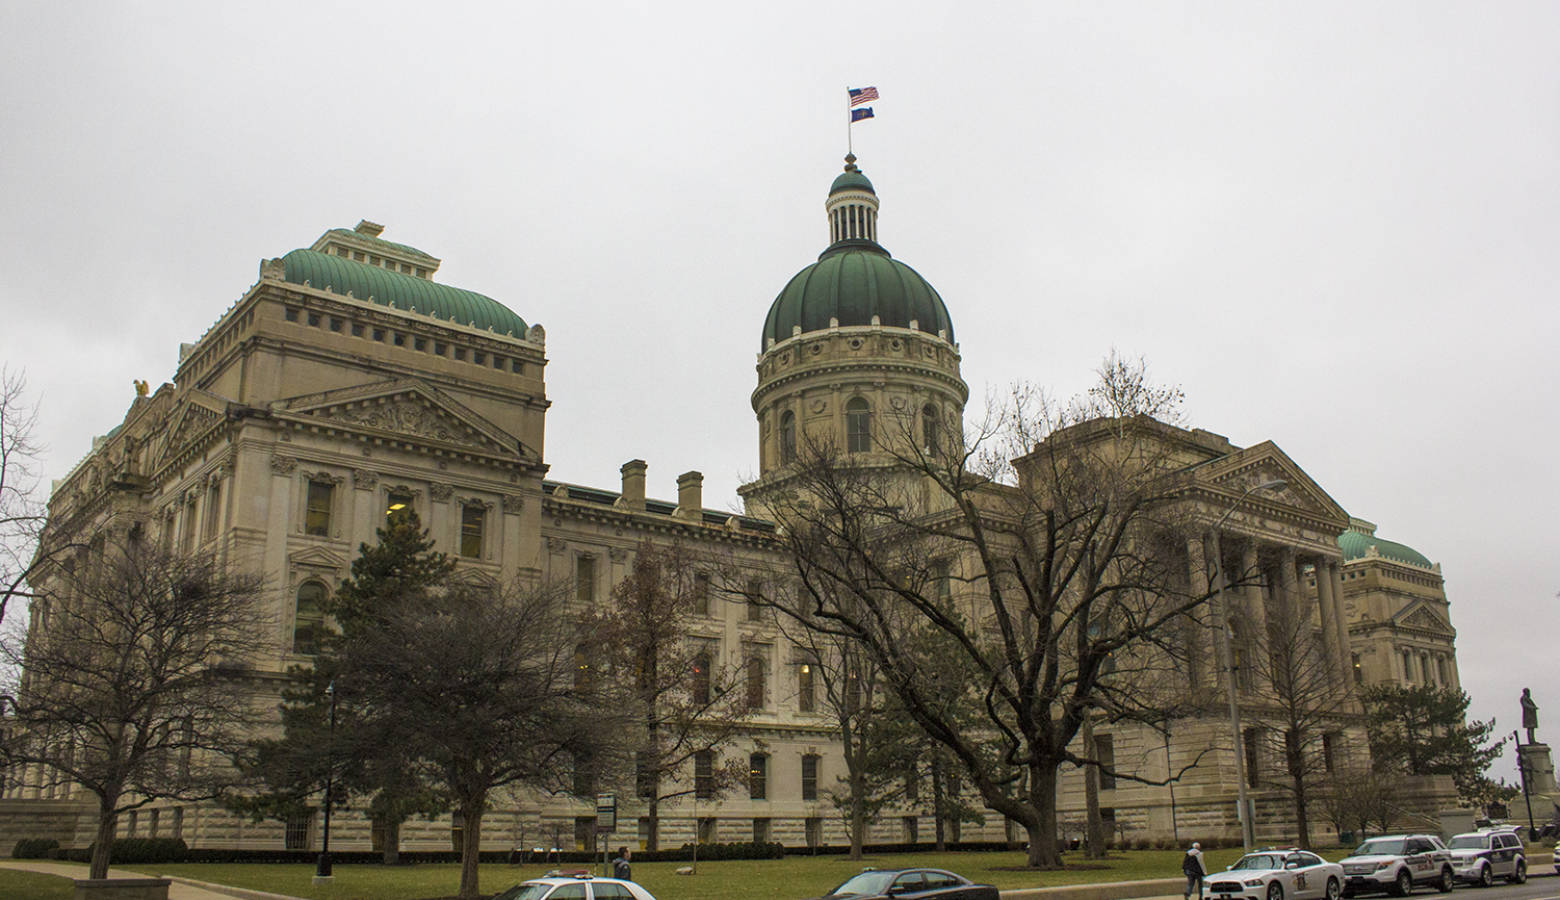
(787,437)
(858,426)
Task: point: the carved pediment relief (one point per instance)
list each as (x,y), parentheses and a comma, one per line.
(316,558)
(410,409)
(186,423)
(1422,618)
(1265,463)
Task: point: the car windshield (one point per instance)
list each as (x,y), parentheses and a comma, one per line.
(1469,842)
(865,883)
(1382,846)
(1259,861)
(524,892)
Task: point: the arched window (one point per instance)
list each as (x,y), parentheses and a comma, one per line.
(309,619)
(929,430)
(755,682)
(858,426)
(787,436)
(701,679)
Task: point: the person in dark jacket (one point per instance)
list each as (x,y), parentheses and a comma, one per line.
(620,867)
(1193,868)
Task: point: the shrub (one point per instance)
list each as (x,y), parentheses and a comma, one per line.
(740,850)
(145,850)
(34,848)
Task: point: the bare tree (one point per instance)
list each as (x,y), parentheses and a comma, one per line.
(134,681)
(1306,705)
(1063,524)
(22,512)
(686,702)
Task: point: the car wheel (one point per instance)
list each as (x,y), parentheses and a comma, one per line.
(1404,884)
(1447,882)
(1520,875)
(1486,875)
(1275,891)
(1334,889)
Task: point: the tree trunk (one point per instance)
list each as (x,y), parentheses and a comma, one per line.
(470,845)
(107,819)
(1302,817)
(1094,827)
(937,803)
(392,839)
(653,814)
(1043,851)
(858,813)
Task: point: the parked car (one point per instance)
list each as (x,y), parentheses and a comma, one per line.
(575,887)
(910,884)
(1479,857)
(1277,875)
(1395,863)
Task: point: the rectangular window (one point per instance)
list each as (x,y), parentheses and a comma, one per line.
(755,611)
(290,314)
(1359,670)
(472,519)
(708,830)
(644,782)
(438,348)
(314,319)
(398,339)
(585,579)
(1328,748)
(518,367)
(1252,741)
(397,499)
(644,832)
(358,255)
(176,825)
(912,828)
(460,354)
(335,324)
(295,834)
(357,329)
(760,831)
(806,699)
(379,334)
(316,516)
(498,362)
(758,777)
(478,357)
(213,506)
(584,775)
(419,343)
(704,774)
(810,776)
(701,593)
(153,823)
(189,527)
(133,824)
(584,837)
(1105,755)
(814,831)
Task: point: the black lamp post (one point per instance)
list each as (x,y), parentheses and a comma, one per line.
(322,868)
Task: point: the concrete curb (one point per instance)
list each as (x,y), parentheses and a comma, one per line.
(241,893)
(1163,888)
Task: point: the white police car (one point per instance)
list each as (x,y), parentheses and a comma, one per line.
(1479,857)
(1395,863)
(1276,875)
(575,886)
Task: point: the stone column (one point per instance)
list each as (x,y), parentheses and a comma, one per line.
(1325,601)
(1335,583)
(1201,666)
(1256,607)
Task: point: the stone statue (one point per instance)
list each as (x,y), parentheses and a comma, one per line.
(1529,714)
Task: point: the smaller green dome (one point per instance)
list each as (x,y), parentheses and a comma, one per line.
(852,181)
(404,292)
(1357,544)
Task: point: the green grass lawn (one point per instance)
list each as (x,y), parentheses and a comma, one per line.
(16,885)
(791,878)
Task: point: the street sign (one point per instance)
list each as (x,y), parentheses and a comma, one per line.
(606,812)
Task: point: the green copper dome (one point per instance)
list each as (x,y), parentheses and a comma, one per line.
(404,292)
(1357,544)
(851,181)
(852,282)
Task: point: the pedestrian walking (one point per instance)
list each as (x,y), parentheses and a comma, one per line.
(1193,868)
(620,867)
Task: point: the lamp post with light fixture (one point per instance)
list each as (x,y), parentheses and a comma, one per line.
(322,869)
(1247,827)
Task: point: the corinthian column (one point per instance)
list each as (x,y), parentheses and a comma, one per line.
(1329,611)
(1200,660)
(1335,582)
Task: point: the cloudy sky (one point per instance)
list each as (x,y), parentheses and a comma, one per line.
(1333,224)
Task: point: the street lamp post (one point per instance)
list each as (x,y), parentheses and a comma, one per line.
(1247,827)
(322,870)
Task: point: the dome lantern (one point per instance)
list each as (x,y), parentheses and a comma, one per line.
(852,206)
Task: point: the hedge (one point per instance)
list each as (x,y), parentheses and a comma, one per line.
(34,848)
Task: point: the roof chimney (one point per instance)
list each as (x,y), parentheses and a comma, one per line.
(633,485)
(690,496)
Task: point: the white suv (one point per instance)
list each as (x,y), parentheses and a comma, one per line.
(1480,857)
(1394,864)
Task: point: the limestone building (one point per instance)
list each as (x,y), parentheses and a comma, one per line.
(347,382)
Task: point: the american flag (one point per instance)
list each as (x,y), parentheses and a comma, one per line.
(859,96)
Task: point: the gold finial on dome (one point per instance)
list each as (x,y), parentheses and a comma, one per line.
(850,163)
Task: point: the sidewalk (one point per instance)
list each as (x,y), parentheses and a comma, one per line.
(180,889)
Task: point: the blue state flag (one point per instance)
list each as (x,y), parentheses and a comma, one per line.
(856,115)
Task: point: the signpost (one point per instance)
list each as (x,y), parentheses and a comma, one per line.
(606,823)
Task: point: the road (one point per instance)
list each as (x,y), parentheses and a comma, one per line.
(1542,884)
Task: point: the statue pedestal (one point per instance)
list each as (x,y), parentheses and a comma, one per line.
(1540,768)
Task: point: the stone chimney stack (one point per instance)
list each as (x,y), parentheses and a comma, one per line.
(633,485)
(690,496)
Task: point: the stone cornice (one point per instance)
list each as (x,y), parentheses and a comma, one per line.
(598,514)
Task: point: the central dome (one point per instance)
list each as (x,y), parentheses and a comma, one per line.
(855,280)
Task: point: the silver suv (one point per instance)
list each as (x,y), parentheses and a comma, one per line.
(1480,857)
(1395,863)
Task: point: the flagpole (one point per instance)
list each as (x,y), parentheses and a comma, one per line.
(850,134)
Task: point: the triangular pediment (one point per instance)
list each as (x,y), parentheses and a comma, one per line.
(1421,616)
(196,412)
(1241,471)
(317,557)
(408,408)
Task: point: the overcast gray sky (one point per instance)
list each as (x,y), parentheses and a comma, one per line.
(1333,224)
